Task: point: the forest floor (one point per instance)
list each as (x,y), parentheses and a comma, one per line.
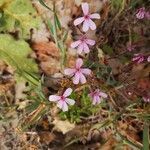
(31,69)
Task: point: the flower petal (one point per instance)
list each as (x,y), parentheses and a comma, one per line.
(85,8)
(79,63)
(67,92)
(54,98)
(95,16)
(135,58)
(78,21)
(80,48)
(69,71)
(65,107)
(86,71)
(82,78)
(60,104)
(86,48)
(70,101)
(91,24)
(98,100)
(102,94)
(94,102)
(90,42)
(76,78)
(86,25)
(148,58)
(75,44)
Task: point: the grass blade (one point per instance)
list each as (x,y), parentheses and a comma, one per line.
(50,26)
(42,3)
(146,137)
(58,24)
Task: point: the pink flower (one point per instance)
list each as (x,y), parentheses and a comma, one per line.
(148,58)
(63,101)
(82,44)
(87,18)
(97,96)
(146,99)
(78,73)
(138,58)
(140,13)
(131,47)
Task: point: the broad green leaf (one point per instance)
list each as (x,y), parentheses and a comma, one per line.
(15,53)
(19,15)
(2,2)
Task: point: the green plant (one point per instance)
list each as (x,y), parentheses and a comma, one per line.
(84,108)
(58,34)
(18,15)
(15,53)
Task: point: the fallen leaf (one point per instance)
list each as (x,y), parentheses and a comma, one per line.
(63,126)
(46,137)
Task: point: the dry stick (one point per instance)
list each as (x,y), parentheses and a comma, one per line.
(113,102)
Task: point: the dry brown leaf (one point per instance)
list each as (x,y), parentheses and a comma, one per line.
(110,144)
(46,137)
(47,48)
(63,126)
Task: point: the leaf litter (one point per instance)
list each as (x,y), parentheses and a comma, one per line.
(100,130)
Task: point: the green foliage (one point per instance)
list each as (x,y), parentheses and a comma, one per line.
(15,53)
(102,72)
(54,27)
(116,4)
(2,2)
(146,139)
(134,4)
(83,108)
(107,49)
(18,15)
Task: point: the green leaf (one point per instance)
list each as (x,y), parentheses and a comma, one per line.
(19,15)
(56,19)
(50,26)
(2,2)
(107,49)
(15,53)
(146,137)
(65,37)
(116,4)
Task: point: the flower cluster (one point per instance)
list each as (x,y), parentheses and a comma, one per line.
(142,13)
(139,58)
(78,73)
(82,45)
